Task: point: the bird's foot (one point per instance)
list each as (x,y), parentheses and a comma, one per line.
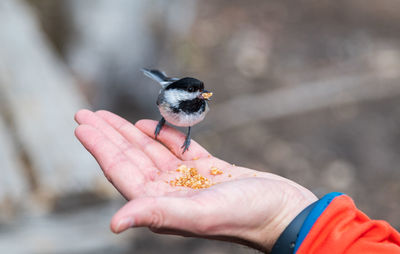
(186,144)
(159,127)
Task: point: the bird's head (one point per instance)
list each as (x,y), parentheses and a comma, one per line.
(186,89)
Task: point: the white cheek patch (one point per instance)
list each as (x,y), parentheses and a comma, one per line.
(175,96)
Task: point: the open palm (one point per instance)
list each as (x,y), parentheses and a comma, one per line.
(244,205)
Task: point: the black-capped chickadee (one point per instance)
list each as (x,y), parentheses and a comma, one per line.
(182,102)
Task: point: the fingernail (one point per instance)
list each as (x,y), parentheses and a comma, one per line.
(124,224)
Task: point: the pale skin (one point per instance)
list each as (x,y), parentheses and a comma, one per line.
(244,206)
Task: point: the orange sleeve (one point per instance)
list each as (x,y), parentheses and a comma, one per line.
(342,228)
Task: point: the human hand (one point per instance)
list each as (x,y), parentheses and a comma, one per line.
(245,206)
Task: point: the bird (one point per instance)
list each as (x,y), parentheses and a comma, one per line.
(181,101)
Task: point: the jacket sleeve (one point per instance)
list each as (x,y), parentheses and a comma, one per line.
(335,225)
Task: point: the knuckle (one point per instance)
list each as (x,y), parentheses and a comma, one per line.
(156,219)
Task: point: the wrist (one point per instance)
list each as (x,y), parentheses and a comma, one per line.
(287,240)
(292,204)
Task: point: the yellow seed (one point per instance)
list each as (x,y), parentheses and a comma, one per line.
(215,171)
(207,95)
(190,178)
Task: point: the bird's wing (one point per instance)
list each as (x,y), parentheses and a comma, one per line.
(159,76)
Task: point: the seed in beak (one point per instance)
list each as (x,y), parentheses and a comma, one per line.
(206,95)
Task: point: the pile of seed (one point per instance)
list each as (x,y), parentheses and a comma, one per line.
(191,179)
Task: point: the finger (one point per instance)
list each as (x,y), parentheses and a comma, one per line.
(159,154)
(173,139)
(156,213)
(88,117)
(117,167)
(137,156)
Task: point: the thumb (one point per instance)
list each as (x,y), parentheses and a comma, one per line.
(156,212)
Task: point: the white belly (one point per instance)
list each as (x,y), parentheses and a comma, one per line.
(182,119)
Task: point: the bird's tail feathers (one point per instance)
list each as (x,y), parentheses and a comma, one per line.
(158,76)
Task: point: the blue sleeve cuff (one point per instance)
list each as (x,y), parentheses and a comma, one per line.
(317,210)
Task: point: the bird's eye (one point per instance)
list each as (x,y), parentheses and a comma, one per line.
(191,89)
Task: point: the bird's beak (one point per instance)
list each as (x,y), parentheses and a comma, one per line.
(206,95)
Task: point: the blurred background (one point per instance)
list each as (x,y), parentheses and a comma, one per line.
(306,89)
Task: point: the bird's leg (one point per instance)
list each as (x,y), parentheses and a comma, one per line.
(159,127)
(186,144)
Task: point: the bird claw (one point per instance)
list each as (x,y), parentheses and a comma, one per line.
(159,127)
(186,145)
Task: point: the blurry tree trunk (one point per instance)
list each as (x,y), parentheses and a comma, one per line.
(131,36)
(13,184)
(41,98)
